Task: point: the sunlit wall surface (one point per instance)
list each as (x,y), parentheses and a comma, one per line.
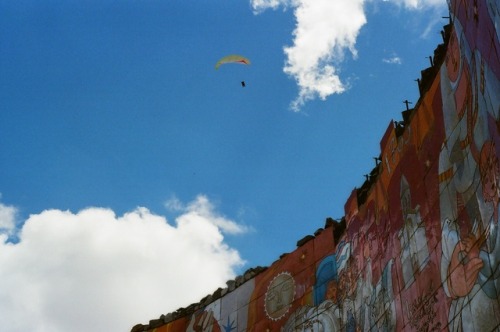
(421,248)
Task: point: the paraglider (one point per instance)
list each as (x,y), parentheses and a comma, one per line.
(232,59)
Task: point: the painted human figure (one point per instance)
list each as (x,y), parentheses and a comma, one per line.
(414,253)
(374,304)
(347,290)
(383,309)
(365,286)
(322,318)
(468,234)
(489,239)
(325,315)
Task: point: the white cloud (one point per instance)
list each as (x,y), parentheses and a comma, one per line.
(174,204)
(7,219)
(395,60)
(202,208)
(324,31)
(95,271)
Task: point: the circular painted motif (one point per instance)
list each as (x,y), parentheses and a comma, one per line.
(279,296)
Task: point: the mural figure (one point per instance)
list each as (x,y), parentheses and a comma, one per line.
(364,285)
(414,254)
(348,272)
(362,306)
(324,315)
(469,232)
(383,309)
(325,286)
(488,241)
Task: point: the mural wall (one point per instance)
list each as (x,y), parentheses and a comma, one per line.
(421,246)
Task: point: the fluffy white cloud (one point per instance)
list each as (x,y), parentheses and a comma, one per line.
(95,271)
(324,31)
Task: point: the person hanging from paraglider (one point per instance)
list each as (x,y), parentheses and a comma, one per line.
(233,59)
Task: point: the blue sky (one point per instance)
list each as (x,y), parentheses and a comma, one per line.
(112,111)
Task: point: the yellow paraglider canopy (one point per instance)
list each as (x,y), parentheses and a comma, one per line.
(233,58)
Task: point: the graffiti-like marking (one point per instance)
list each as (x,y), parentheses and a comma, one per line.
(421,313)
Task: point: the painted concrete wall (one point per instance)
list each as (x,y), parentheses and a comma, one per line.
(421,247)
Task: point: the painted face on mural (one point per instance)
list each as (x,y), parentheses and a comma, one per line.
(453,58)
(279,295)
(332,291)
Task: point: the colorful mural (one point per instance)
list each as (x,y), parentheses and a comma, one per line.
(421,247)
